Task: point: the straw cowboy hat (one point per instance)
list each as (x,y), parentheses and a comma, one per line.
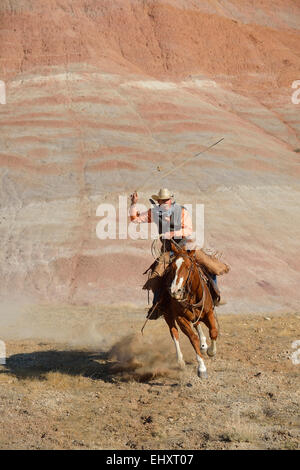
(163,194)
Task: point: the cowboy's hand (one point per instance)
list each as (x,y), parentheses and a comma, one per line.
(134,197)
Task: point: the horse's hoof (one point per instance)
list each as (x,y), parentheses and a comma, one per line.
(203,347)
(181,364)
(211,352)
(202,374)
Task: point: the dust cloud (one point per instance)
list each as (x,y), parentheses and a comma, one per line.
(113,330)
(141,358)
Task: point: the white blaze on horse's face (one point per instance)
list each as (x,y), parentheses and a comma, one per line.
(176,285)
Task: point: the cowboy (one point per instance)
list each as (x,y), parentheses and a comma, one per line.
(174,223)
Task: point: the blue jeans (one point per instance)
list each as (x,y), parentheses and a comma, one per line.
(214,278)
(156,296)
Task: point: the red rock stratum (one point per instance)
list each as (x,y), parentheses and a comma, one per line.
(99,93)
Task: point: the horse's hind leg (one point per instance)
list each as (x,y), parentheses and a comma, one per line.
(187,329)
(210,322)
(175,336)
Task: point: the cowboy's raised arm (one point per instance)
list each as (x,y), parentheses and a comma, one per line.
(135,216)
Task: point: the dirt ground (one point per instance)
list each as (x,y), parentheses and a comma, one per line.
(128,393)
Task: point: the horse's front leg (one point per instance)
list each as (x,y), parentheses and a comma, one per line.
(175,336)
(202,338)
(210,322)
(187,329)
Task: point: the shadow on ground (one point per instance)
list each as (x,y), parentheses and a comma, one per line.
(36,365)
(96,366)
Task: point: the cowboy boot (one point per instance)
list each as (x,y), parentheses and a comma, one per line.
(154,311)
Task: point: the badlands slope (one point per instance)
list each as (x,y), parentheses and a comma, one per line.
(101,93)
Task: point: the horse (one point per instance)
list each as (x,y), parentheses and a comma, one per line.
(186,301)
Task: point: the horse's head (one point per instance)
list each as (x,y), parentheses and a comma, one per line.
(180,273)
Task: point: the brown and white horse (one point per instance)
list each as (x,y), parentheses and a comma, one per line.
(186,301)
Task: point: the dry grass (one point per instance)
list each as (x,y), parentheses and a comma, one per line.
(129,394)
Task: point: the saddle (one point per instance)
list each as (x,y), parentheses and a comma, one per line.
(213,288)
(154,283)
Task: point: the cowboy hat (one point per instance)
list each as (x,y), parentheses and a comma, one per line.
(163,194)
